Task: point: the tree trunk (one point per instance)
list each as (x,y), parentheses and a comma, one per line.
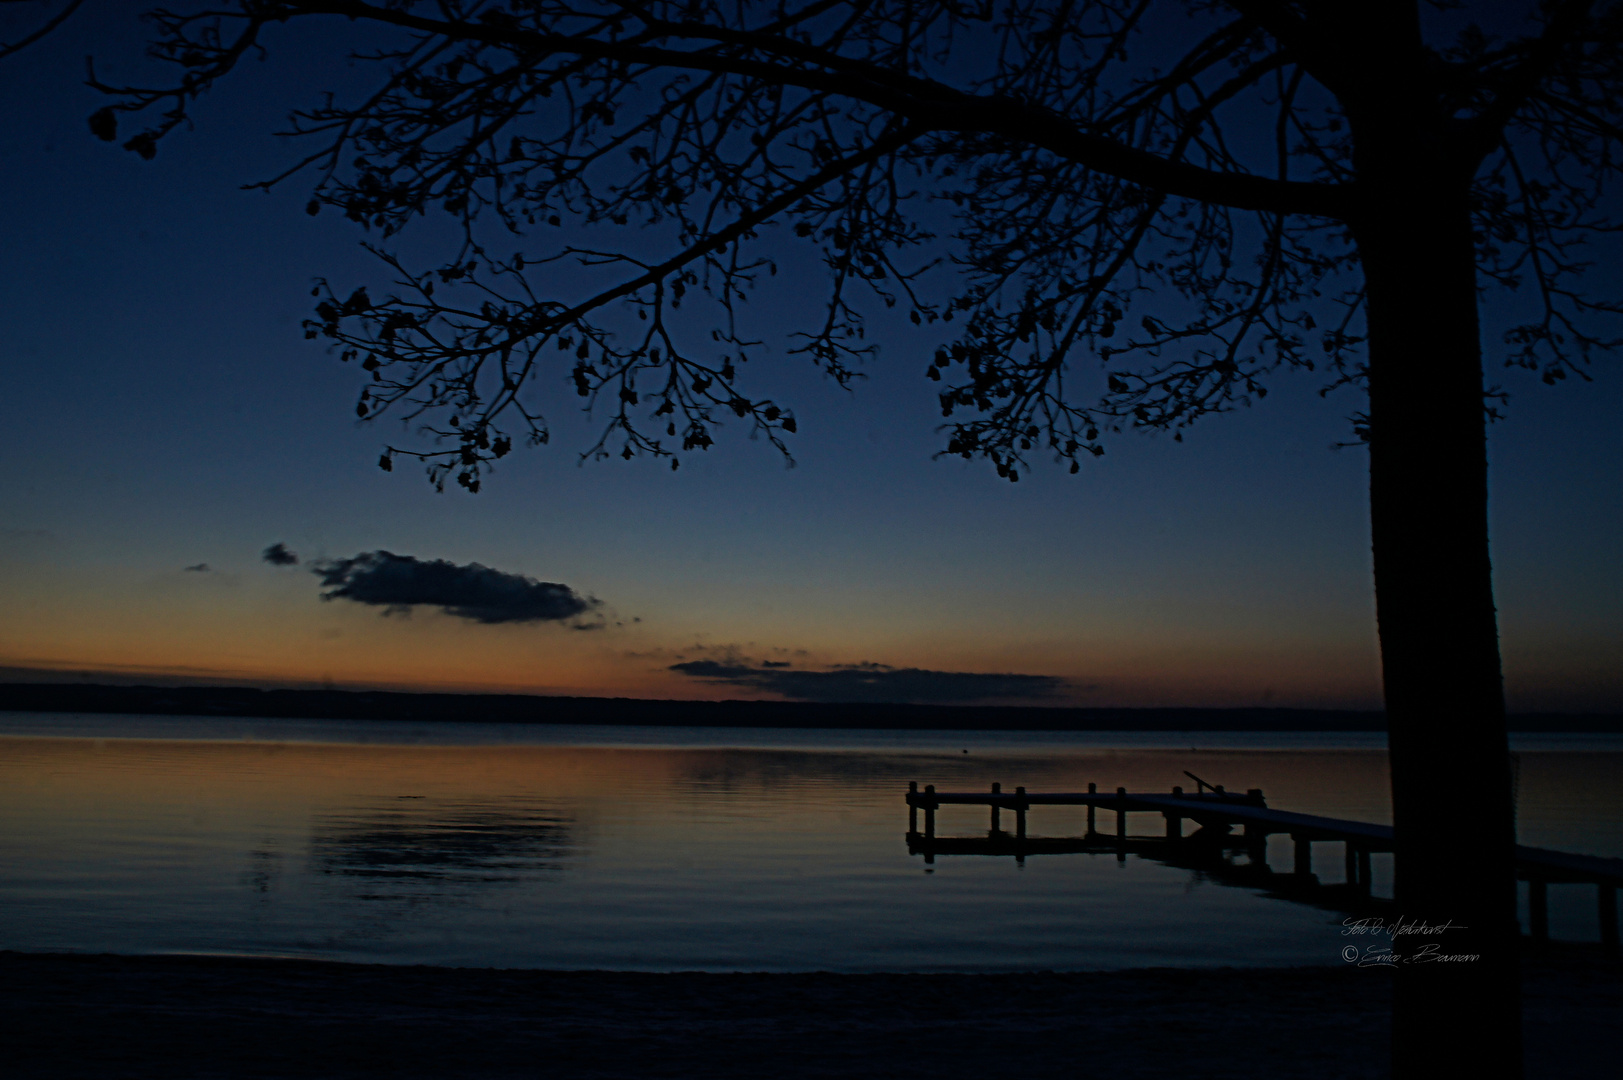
(1451,790)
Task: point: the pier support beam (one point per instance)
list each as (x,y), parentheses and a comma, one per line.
(1364,880)
(1351,863)
(912,809)
(1175,821)
(929,812)
(996,789)
(1093,789)
(1304,857)
(1121,826)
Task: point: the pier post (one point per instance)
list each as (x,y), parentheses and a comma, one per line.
(1093,789)
(1538,910)
(1020,815)
(929,812)
(1608,916)
(1364,881)
(996,789)
(912,808)
(1256,845)
(1352,866)
(1175,821)
(1121,827)
(1304,856)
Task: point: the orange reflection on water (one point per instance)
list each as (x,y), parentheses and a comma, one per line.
(656,857)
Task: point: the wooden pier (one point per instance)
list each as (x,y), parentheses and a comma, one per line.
(1213,845)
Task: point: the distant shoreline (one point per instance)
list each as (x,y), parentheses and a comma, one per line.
(250,702)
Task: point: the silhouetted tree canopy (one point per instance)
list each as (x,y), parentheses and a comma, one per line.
(1108,214)
(1130,213)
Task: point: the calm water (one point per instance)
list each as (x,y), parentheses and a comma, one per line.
(668,849)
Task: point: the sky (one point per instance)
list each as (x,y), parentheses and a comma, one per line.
(163,422)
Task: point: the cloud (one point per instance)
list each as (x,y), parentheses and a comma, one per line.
(473,592)
(197,568)
(278,555)
(871,682)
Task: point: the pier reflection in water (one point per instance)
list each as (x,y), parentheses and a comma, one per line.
(640,857)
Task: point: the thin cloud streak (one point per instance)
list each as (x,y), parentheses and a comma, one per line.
(869,682)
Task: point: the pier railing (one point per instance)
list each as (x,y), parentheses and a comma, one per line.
(1213,845)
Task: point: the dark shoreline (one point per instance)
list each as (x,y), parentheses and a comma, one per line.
(189,1016)
(250,702)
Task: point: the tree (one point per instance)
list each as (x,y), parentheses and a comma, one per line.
(39,23)
(1117,214)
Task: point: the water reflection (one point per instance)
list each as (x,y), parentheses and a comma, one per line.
(451,844)
(264,868)
(661,857)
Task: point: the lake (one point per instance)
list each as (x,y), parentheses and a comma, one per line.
(664,849)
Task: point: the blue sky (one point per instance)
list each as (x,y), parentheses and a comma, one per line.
(162,410)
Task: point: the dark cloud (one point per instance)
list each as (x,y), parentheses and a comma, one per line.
(279,555)
(871,682)
(474,592)
(197,568)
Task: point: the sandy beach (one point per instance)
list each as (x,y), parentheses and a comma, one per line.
(174,1017)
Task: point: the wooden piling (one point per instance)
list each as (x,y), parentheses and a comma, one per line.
(912,809)
(1364,879)
(929,813)
(1351,864)
(1304,856)
(997,789)
(1256,845)
(1020,815)
(1093,789)
(1121,815)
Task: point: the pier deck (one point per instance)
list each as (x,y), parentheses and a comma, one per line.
(1212,846)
